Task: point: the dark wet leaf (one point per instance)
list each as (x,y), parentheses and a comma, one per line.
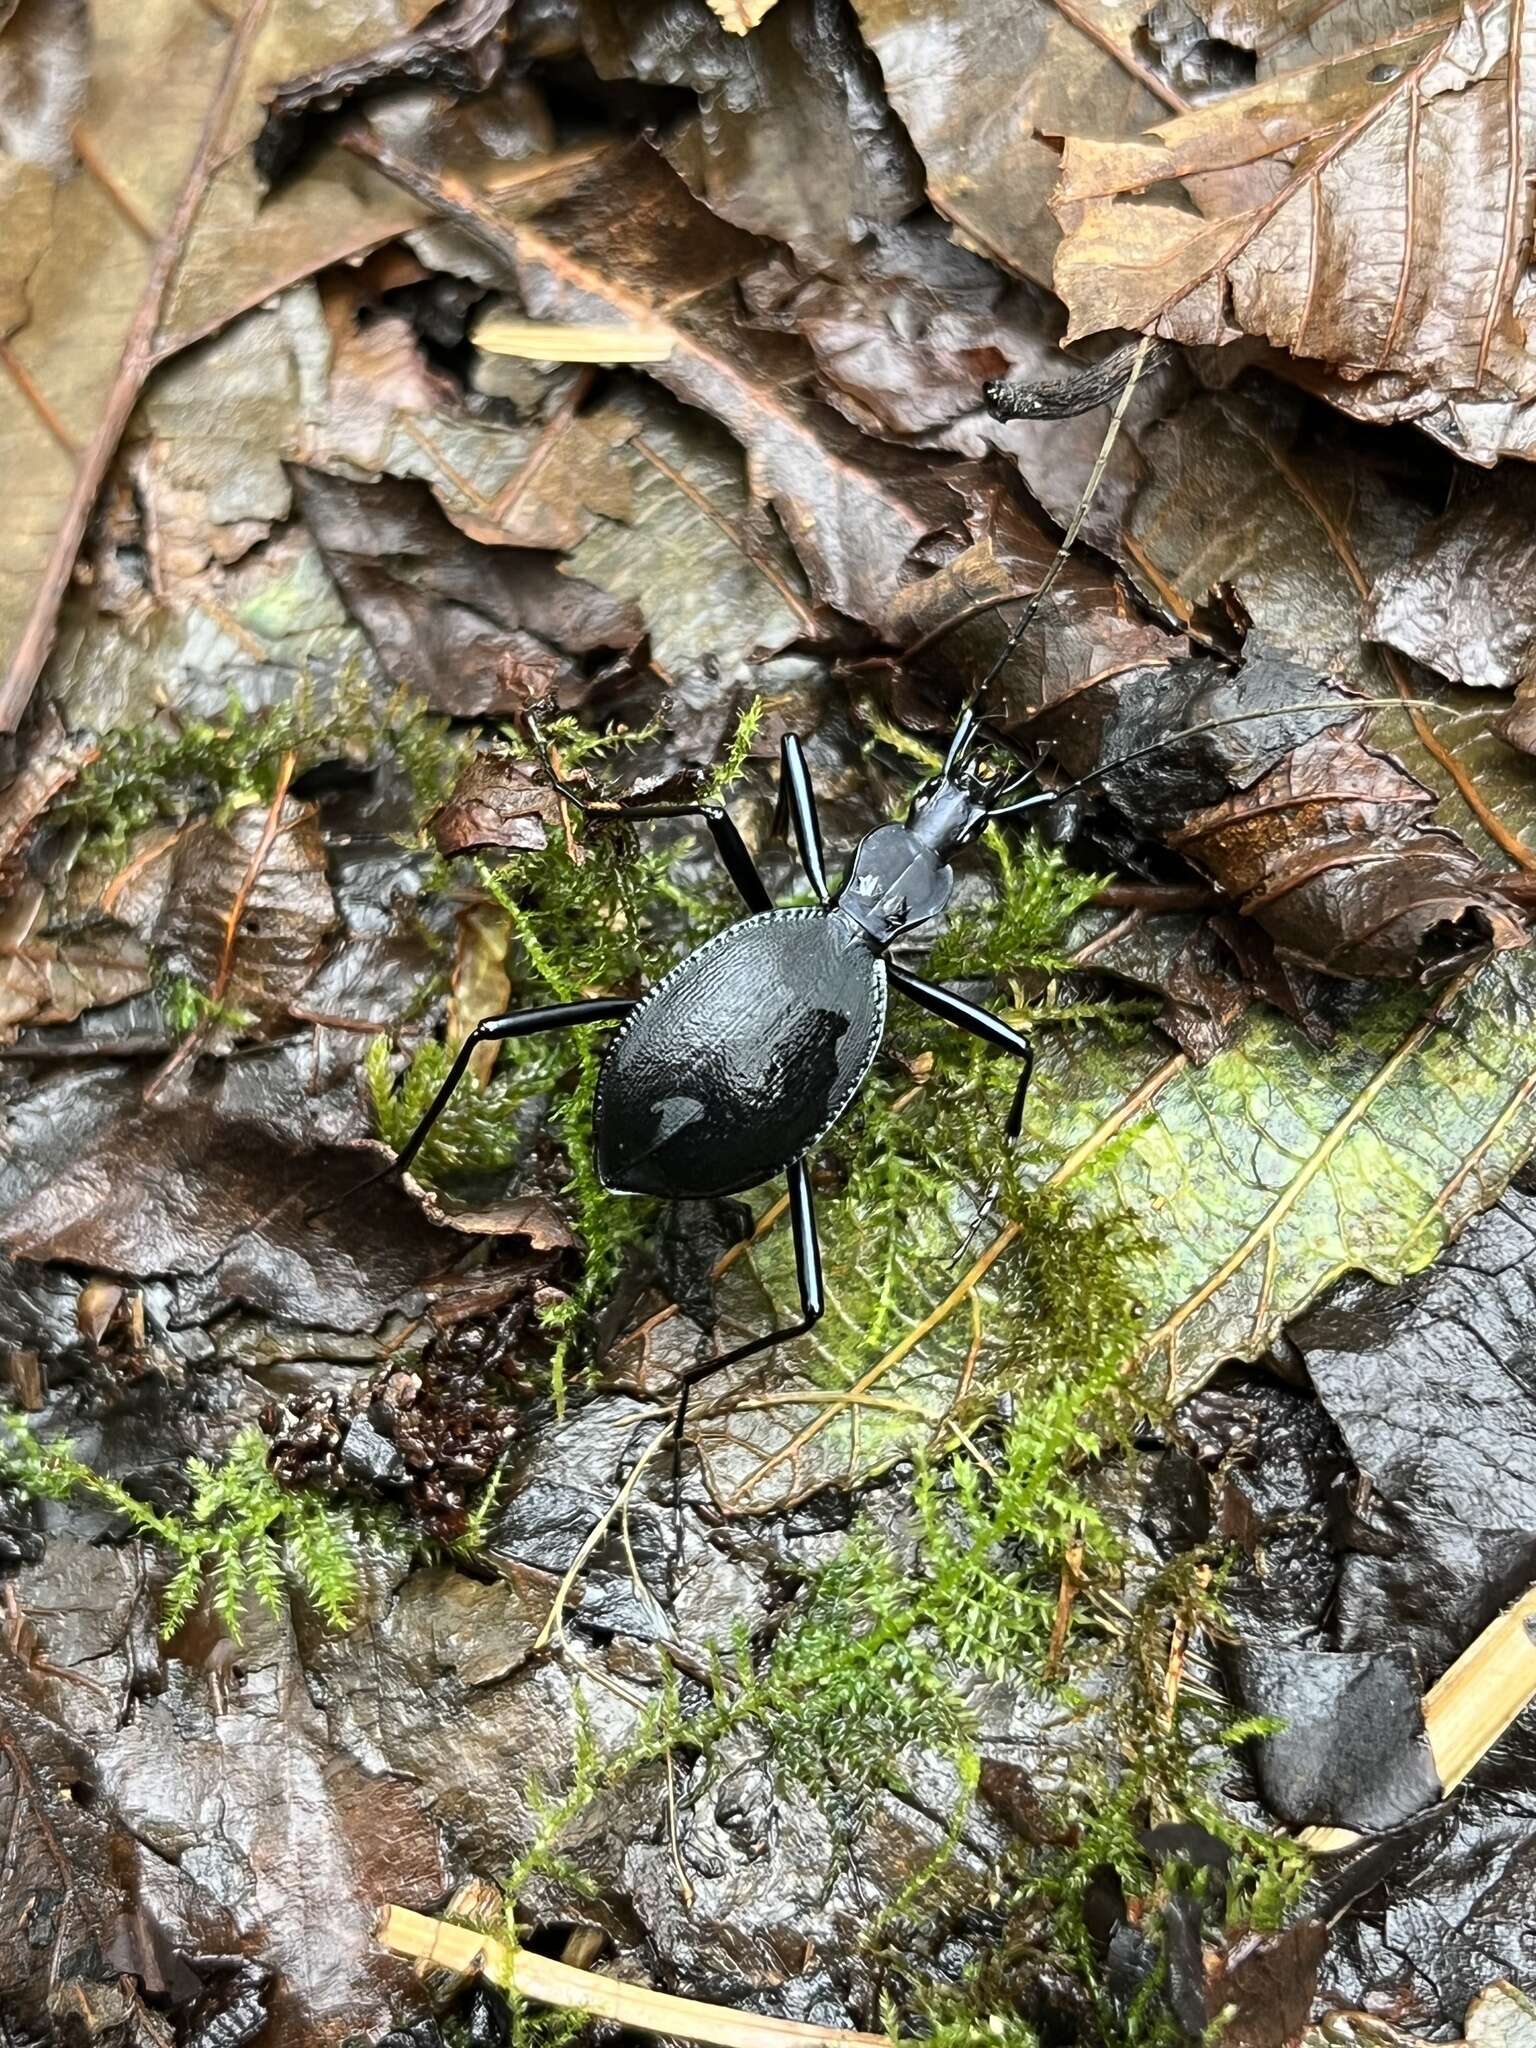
(633,243)
(793,136)
(150,238)
(69,1891)
(1324,842)
(214,1186)
(1455,603)
(459,44)
(1433,1389)
(1352,1752)
(242,911)
(472,632)
(295,1848)
(981,90)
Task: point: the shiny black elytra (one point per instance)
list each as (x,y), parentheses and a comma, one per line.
(739,1061)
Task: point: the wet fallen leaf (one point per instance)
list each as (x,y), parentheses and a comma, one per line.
(1453,601)
(1502,2016)
(120,263)
(495,803)
(1385,246)
(1442,1541)
(982,89)
(793,136)
(856,512)
(471,633)
(241,910)
(215,1186)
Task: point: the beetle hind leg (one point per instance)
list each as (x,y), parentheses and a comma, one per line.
(802,1220)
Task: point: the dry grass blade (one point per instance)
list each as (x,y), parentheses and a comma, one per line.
(440,1945)
(740,17)
(549,341)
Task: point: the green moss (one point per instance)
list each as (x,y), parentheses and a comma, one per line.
(241,1537)
(157,771)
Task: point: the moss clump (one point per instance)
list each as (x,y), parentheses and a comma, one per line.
(150,772)
(241,1537)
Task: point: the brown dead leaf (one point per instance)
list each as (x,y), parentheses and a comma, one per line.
(459,44)
(496,803)
(243,910)
(1387,247)
(472,631)
(980,90)
(50,978)
(794,137)
(293,1846)
(114,261)
(213,1185)
(631,244)
(1459,601)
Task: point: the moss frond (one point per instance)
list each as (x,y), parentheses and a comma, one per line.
(242,1537)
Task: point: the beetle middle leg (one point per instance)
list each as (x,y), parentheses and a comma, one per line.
(979,1023)
(813,1298)
(732,848)
(490,1030)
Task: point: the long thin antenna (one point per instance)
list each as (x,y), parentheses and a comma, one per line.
(1075,525)
(1347,708)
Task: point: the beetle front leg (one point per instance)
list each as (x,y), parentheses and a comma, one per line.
(980,1023)
(730,845)
(797,806)
(813,1299)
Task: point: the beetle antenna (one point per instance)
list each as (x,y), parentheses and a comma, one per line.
(968,720)
(1348,708)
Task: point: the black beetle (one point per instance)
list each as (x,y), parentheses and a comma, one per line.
(740,1060)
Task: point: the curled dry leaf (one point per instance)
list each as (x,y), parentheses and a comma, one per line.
(495,803)
(1325,842)
(1366,213)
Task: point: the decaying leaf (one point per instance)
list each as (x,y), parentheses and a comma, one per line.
(793,137)
(457,43)
(471,632)
(495,803)
(1384,243)
(48,977)
(982,88)
(1502,2016)
(122,251)
(855,511)
(1455,602)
